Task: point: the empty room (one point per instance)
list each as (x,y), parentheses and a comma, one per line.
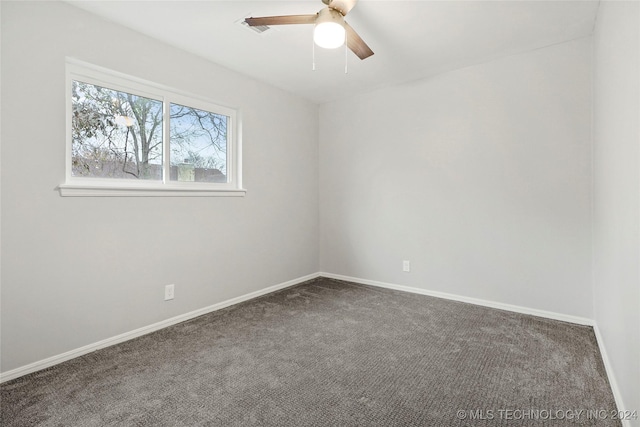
(320,213)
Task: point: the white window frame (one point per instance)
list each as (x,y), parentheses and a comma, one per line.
(87,186)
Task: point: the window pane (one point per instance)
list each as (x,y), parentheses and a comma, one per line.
(115,134)
(198,145)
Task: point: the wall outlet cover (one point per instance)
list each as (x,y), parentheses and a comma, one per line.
(169,292)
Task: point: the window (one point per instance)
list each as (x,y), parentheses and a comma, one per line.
(129,137)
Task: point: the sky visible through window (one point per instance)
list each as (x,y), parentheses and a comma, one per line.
(198,137)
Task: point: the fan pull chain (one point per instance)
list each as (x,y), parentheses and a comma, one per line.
(346,51)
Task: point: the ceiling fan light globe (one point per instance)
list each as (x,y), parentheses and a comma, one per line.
(329,35)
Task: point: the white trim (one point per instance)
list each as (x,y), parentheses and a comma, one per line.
(617,395)
(477,301)
(133,83)
(54,360)
(112,190)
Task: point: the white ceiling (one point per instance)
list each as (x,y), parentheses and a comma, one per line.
(411,39)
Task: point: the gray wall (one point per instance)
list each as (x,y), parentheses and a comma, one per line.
(480,177)
(617,191)
(79,270)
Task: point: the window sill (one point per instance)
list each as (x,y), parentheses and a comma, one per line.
(84,190)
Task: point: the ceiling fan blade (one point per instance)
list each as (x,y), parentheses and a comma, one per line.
(342,6)
(356,44)
(281,20)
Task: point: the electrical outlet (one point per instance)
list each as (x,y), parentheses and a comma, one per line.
(168,292)
(406,266)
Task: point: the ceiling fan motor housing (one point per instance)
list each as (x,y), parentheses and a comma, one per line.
(330,15)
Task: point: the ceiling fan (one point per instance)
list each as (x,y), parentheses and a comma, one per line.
(330,30)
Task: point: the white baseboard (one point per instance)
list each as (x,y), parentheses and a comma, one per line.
(612,378)
(470,300)
(54,360)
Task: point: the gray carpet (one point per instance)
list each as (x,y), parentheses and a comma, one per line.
(329,353)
